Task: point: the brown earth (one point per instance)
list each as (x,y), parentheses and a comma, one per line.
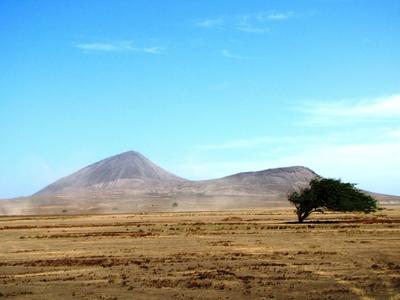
(257,254)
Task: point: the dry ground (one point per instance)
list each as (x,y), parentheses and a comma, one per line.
(201,255)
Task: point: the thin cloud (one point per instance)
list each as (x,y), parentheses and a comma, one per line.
(249,23)
(209,23)
(394,133)
(275,16)
(97,47)
(153,50)
(228,54)
(119,46)
(381,107)
(290,142)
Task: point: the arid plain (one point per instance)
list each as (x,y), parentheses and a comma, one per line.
(257,254)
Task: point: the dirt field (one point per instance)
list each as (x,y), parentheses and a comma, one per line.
(208,255)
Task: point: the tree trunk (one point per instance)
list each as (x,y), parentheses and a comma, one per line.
(301,216)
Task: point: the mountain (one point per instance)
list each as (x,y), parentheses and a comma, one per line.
(112,172)
(129,182)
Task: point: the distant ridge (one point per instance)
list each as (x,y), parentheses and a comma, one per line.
(270,183)
(295,174)
(129,182)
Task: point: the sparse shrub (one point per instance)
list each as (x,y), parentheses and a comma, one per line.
(175,204)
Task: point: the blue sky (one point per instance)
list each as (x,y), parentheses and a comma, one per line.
(203,88)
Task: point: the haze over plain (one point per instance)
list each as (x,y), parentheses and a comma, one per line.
(206,89)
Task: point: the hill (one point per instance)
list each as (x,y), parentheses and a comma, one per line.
(113,172)
(129,182)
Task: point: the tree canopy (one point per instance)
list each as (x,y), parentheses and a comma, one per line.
(330,194)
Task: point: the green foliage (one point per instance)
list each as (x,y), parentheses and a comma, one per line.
(330,194)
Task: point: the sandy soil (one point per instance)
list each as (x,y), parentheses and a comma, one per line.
(201,255)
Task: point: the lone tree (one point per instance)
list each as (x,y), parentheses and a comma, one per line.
(330,194)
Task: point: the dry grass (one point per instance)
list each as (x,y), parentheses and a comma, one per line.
(201,255)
